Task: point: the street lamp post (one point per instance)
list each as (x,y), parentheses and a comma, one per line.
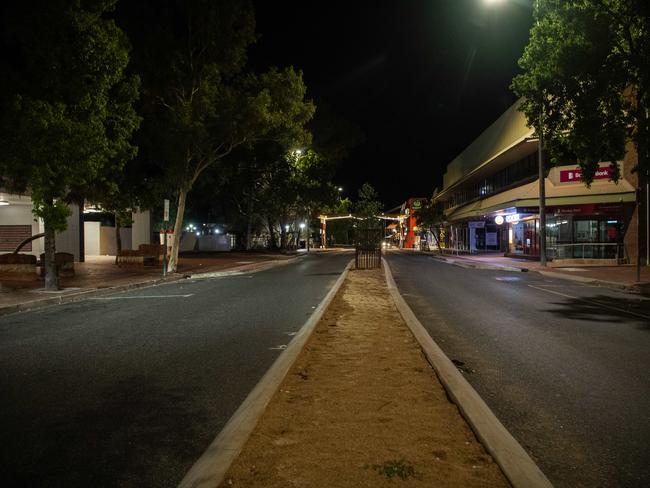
(542,189)
(540,161)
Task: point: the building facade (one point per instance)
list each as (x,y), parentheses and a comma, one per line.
(409,223)
(81,238)
(490,196)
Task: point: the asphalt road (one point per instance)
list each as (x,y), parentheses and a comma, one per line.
(129,390)
(565,366)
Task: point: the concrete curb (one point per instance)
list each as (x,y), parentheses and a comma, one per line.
(516,464)
(210,469)
(466,263)
(93,292)
(642,288)
(251,268)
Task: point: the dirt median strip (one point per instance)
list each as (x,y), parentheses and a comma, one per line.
(362,407)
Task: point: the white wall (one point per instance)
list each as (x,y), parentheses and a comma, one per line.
(140,229)
(19,212)
(108,246)
(188,241)
(91,238)
(219,242)
(68,240)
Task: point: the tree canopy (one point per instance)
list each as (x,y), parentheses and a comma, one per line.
(67,104)
(586,71)
(200,101)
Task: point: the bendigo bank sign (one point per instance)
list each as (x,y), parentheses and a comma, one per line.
(568,175)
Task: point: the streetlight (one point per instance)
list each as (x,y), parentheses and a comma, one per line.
(540,159)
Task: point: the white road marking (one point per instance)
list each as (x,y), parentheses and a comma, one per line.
(141,296)
(281,347)
(593,302)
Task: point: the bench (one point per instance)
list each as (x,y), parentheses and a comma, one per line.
(64,263)
(145,255)
(20,267)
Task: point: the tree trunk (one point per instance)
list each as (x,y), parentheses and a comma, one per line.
(178,227)
(272,242)
(249,225)
(82,231)
(283,236)
(118,238)
(51,271)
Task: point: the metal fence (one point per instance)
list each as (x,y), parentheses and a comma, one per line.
(368,246)
(367,258)
(589,250)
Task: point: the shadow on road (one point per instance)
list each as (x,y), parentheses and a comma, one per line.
(603,309)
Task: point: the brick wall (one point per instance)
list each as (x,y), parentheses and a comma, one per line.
(12,235)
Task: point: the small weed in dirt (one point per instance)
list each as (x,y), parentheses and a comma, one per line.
(399,468)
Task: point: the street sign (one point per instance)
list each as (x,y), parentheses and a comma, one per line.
(166,211)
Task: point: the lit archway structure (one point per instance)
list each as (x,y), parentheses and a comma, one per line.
(325,218)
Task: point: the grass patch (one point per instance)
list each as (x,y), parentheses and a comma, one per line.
(396,468)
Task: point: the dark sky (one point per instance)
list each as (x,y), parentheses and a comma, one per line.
(421,78)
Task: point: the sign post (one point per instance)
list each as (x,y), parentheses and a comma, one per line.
(165,221)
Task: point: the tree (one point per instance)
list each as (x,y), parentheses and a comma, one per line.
(430,217)
(201,103)
(67,105)
(586,74)
(367,208)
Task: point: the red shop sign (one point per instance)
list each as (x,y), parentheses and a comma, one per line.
(568,175)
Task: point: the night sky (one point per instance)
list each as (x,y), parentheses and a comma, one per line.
(421,78)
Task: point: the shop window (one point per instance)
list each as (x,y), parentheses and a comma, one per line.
(586,230)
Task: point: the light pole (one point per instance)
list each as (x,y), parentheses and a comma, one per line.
(542,187)
(540,157)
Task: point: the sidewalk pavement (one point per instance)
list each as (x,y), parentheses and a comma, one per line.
(623,276)
(99,274)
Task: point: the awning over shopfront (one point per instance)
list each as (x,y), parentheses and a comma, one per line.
(556,195)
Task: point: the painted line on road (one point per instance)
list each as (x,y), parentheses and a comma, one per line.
(210,469)
(514,461)
(592,302)
(141,296)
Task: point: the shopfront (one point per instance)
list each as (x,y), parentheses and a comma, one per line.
(586,231)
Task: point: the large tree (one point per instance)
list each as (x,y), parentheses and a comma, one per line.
(586,83)
(586,80)
(67,105)
(201,104)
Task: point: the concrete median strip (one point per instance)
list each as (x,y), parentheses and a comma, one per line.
(516,464)
(211,467)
